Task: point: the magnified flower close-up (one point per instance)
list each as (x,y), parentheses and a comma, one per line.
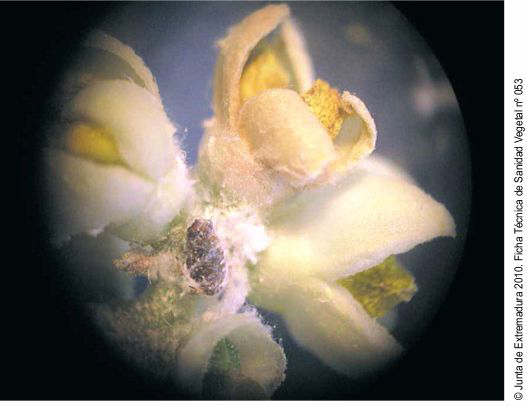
(290,211)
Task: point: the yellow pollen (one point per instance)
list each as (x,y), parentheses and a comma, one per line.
(325,102)
(263,72)
(92,143)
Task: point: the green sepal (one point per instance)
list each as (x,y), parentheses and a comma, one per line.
(382,287)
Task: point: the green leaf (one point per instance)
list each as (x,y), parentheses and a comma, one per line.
(223,370)
(225,358)
(382,287)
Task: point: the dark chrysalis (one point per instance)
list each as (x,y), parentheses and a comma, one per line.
(205,258)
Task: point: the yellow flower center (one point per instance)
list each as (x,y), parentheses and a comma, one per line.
(263,72)
(93,143)
(324,102)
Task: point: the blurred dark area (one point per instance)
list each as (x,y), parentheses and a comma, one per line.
(461,355)
(50,351)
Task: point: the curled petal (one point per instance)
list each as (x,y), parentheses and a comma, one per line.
(357,137)
(236,48)
(261,360)
(103,57)
(337,230)
(143,76)
(285,135)
(326,320)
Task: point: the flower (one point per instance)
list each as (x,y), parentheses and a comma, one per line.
(267,147)
(112,160)
(287,212)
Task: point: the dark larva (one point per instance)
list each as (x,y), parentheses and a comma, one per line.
(205,258)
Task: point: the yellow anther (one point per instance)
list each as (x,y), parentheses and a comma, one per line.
(92,143)
(264,71)
(324,101)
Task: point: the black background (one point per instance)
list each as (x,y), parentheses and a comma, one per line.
(49,352)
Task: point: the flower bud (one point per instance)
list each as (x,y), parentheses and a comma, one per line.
(285,135)
(112,159)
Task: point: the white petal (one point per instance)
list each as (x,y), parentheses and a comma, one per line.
(137,121)
(87,196)
(340,229)
(326,320)
(285,135)
(103,41)
(234,52)
(170,195)
(262,359)
(377,164)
